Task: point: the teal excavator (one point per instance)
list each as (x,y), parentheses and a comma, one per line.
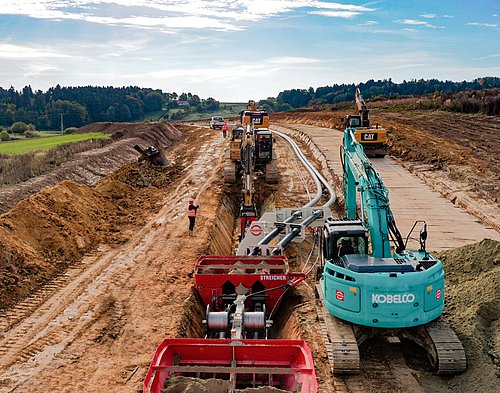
(371,283)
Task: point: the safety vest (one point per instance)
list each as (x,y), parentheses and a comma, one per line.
(191,212)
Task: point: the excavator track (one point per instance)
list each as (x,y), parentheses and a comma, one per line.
(229,169)
(272,176)
(445,351)
(339,339)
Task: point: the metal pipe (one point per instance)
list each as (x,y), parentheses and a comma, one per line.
(295,232)
(319,181)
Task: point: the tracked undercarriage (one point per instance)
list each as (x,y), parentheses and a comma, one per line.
(342,340)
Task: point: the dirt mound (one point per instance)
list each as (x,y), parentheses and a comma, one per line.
(44,234)
(325,119)
(90,166)
(179,384)
(473,309)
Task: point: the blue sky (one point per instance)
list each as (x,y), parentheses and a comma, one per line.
(235,50)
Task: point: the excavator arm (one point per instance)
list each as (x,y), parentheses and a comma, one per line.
(362,109)
(360,177)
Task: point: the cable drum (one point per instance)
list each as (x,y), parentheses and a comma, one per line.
(218,321)
(254,320)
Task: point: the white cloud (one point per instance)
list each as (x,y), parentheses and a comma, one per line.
(33,70)
(414,22)
(336,14)
(482,24)
(292,60)
(224,15)
(428,16)
(8,51)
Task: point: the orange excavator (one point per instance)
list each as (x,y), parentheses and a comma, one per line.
(373,139)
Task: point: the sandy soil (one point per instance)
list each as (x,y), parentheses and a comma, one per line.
(95,329)
(456,154)
(94,326)
(90,166)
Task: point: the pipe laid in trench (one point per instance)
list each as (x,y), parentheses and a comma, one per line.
(319,181)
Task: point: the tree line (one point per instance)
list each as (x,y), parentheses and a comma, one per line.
(459,96)
(87,104)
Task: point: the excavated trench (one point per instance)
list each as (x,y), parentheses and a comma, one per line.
(223,240)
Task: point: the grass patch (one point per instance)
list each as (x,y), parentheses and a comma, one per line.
(16,168)
(154,115)
(225,110)
(46,143)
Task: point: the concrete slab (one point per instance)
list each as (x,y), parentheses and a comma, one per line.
(448,225)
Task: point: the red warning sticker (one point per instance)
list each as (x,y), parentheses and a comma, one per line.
(339,295)
(438,294)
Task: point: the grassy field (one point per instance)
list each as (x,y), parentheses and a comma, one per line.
(226,109)
(48,142)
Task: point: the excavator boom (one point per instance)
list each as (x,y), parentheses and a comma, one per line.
(372,288)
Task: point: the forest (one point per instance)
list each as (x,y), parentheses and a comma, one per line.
(480,95)
(77,106)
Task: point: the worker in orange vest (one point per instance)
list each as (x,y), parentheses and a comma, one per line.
(224,130)
(191,213)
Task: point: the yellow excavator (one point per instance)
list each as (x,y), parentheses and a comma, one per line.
(373,139)
(250,150)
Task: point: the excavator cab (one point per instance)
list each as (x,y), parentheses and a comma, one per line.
(353,121)
(263,146)
(343,238)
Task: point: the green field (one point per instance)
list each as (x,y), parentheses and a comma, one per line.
(46,143)
(226,110)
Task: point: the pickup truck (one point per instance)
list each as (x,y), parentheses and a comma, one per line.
(216,122)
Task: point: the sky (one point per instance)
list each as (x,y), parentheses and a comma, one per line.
(236,50)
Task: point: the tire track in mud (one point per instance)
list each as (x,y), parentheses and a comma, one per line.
(40,328)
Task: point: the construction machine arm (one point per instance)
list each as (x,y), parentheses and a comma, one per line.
(360,177)
(362,109)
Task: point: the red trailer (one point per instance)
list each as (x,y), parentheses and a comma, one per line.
(283,364)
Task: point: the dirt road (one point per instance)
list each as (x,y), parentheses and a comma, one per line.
(94,328)
(97,325)
(449,226)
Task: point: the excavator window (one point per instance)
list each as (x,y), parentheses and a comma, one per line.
(354,122)
(350,245)
(265,146)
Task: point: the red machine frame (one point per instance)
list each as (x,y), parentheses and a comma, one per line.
(285,364)
(216,276)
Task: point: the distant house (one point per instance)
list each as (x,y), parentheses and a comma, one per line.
(182,103)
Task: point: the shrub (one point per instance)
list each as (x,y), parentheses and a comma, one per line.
(19,127)
(4,136)
(31,134)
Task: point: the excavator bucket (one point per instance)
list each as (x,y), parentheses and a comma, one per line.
(232,364)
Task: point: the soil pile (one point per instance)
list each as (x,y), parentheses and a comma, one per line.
(325,119)
(462,144)
(90,166)
(473,309)
(179,384)
(47,232)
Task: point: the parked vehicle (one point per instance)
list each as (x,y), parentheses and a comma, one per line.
(216,122)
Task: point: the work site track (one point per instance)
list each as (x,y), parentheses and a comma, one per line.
(38,329)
